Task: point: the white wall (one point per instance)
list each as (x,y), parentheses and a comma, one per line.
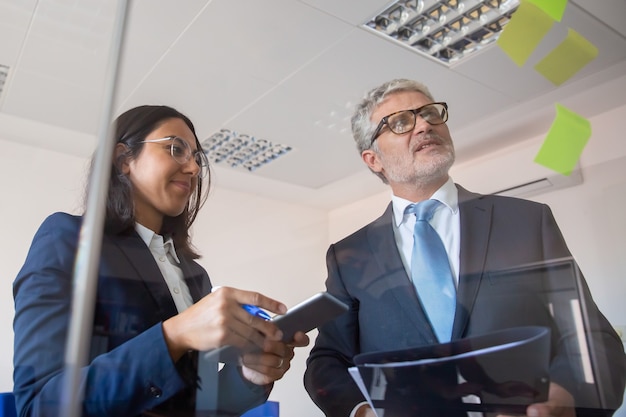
(34,183)
(279,248)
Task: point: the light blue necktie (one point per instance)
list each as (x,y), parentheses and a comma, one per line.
(430,271)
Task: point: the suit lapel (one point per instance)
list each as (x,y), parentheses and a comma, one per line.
(195,278)
(145,268)
(384,249)
(475,214)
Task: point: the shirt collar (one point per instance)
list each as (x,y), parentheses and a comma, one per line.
(446,194)
(148,236)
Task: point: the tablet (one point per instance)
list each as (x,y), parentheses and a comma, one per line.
(309,314)
(305,316)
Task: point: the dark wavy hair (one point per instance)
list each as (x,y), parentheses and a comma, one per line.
(131,128)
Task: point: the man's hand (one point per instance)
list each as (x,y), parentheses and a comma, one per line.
(560,404)
(365,411)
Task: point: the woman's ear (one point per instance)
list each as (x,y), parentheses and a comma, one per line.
(120,158)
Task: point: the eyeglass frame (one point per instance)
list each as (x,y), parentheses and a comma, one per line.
(204,166)
(384,120)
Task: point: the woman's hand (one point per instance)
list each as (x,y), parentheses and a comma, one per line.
(270,365)
(218,320)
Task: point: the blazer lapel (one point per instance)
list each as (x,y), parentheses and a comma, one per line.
(475,215)
(382,245)
(141,260)
(196,279)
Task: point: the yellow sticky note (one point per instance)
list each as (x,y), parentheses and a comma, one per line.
(564,142)
(554,8)
(527,27)
(567,59)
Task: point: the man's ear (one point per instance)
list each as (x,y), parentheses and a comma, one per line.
(120,158)
(371,160)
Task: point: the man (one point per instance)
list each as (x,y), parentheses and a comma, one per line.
(402,136)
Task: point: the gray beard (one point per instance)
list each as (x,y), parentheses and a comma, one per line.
(422,174)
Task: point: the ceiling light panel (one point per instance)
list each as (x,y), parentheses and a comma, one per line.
(445,30)
(4,74)
(241,150)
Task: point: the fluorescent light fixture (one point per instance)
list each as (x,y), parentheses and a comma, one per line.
(445,30)
(241,150)
(4,74)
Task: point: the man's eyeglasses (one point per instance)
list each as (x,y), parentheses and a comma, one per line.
(182,153)
(404,121)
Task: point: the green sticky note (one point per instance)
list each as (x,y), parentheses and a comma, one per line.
(567,59)
(565,141)
(527,27)
(554,8)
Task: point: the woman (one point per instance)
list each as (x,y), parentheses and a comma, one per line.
(154,307)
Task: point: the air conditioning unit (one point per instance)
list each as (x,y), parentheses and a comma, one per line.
(543,184)
(513,172)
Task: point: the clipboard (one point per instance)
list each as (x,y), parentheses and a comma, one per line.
(508,370)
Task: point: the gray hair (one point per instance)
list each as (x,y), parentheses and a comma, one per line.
(362,126)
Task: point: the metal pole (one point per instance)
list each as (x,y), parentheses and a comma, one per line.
(90,239)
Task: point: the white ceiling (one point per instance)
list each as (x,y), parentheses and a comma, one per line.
(287,71)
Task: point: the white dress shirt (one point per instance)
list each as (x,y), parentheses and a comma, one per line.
(446,221)
(168,263)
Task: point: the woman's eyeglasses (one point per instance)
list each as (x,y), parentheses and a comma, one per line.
(182,153)
(404,121)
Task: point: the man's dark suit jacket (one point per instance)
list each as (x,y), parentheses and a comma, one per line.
(130,369)
(365,271)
